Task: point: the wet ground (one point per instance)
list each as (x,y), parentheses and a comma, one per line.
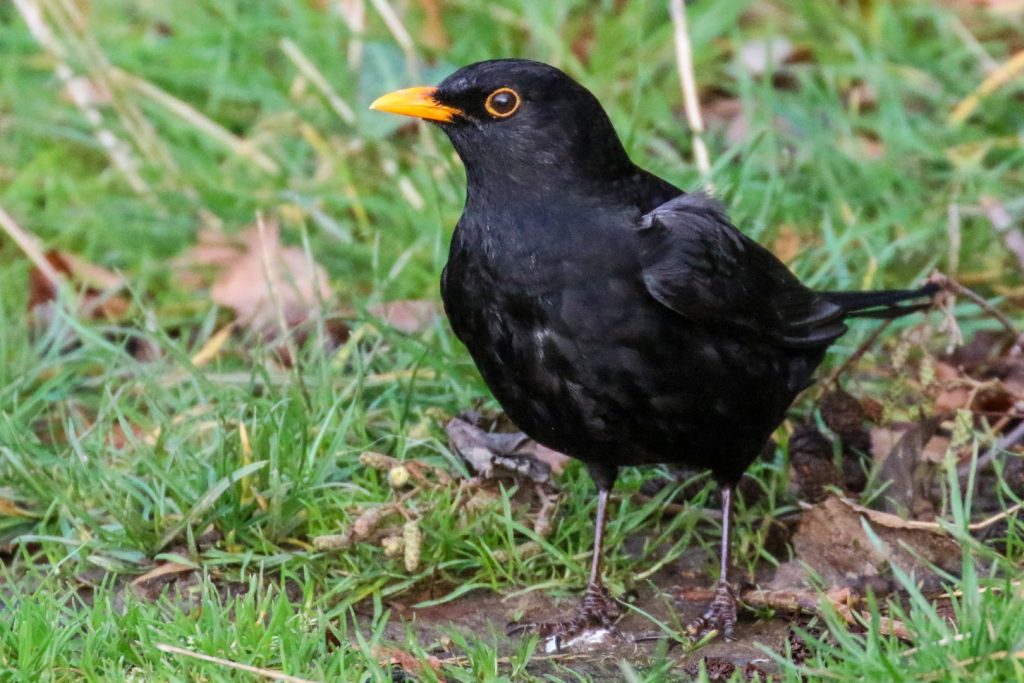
(596,656)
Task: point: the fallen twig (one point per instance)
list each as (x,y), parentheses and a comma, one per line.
(951,285)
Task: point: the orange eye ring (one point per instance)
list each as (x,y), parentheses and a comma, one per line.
(502,103)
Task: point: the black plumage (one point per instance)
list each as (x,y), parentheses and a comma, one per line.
(615,317)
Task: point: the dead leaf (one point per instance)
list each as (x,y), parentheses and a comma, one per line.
(493,453)
(98,286)
(269,282)
(212,348)
(831,539)
(409,315)
(862,97)
(98,298)
(900,470)
(953,395)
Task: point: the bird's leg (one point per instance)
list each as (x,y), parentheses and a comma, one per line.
(597,606)
(597,609)
(721,613)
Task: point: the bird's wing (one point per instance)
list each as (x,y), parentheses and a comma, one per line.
(698,264)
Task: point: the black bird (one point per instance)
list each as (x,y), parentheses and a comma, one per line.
(615,317)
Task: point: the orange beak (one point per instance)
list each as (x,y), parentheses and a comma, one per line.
(420,102)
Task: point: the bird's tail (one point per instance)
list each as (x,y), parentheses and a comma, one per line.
(882,304)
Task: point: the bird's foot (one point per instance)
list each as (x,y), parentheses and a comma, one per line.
(720,615)
(597,613)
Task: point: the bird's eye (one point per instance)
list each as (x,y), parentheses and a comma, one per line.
(502,103)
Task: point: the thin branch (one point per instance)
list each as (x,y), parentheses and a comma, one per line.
(951,285)
(833,379)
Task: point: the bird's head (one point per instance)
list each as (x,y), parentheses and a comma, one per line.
(519,123)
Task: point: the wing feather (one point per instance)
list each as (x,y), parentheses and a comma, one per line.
(699,265)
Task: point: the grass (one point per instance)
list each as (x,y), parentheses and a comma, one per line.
(108,463)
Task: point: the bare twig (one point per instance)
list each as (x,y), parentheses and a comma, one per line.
(951,285)
(542,525)
(258,671)
(887,519)
(691,101)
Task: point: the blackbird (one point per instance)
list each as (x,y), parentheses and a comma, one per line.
(615,317)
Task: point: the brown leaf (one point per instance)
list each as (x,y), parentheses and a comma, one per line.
(269,281)
(900,468)
(408,315)
(954,395)
(832,541)
(842,412)
(97,289)
(494,453)
(862,97)
(95,280)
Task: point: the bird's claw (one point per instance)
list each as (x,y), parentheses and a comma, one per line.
(720,615)
(596,611)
